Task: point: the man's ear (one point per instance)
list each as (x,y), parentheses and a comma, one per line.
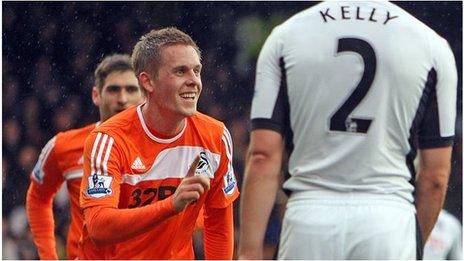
(145,82)
(96,96)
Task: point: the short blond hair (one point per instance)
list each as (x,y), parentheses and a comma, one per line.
(146,56)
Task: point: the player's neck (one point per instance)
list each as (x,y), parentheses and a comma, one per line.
(162,126)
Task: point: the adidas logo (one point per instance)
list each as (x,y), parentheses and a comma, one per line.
(137,164)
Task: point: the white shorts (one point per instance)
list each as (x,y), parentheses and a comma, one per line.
(348,229)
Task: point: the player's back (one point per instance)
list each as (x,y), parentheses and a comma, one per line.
(359,76)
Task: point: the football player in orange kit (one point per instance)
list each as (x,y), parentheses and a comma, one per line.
(116,88)
(149,170)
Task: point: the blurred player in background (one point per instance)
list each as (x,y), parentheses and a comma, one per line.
(445,241)
(150,170)
(352,89)
(116,88)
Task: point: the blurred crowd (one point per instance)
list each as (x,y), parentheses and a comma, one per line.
(50,50)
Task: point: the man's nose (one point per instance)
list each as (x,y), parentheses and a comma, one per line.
(194,79)
(123,97)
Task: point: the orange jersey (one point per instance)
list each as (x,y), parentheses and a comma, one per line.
(60,160)
(128,167)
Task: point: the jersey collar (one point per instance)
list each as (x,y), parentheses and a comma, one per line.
(151,135)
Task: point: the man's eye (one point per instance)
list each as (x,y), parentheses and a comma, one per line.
(112,88)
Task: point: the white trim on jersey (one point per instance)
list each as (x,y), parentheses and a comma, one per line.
(100,153)
(92,155)
(73,174)
(167,164)
(153,137)
(38,173)
(97,166)
(227,138)
(107,156)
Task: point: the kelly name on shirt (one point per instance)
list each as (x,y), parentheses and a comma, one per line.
(351,13)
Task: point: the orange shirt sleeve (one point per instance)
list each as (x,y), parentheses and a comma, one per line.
(224,188)
(219,227)
(200,222)
(219,233)
(100,189)
(112,225)
(46,179)
(100,185)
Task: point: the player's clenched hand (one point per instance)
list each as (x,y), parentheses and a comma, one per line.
(191,188)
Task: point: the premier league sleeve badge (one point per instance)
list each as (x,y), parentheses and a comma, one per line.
(99,186)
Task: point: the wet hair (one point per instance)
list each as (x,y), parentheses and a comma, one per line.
(110,64)
(146,56)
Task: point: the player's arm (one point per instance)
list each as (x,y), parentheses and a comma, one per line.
(105,222)
(259,190)
(219,233)
(110,225)
(436,134)
(431,185)
(46,179)
(269,119)
(219,223)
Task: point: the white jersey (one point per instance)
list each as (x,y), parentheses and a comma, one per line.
(355,88)
(445,241)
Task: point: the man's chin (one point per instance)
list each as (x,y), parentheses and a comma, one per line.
(189,112)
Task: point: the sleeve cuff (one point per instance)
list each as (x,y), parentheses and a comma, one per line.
(436,142)
(263,123)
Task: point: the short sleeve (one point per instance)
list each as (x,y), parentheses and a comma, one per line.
(102,176)
(438,126)
(224,189)
(269,109)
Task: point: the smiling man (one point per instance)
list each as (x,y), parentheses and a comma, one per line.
(159,163)
(116,88)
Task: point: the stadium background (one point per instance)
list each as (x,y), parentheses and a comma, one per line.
(50,51)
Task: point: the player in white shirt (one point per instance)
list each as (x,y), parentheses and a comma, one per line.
(445,241)
(352,90)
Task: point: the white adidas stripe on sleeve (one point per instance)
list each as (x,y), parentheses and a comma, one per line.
(226,137)
(99,155)
(92,155)
(107,156)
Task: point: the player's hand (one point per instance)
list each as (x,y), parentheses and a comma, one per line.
(191,188)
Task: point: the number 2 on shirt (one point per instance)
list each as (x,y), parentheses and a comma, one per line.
(340,121)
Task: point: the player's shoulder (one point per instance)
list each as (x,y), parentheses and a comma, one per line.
(78,131)
(207,123)
(73,137)
(412,22)
(119,123)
